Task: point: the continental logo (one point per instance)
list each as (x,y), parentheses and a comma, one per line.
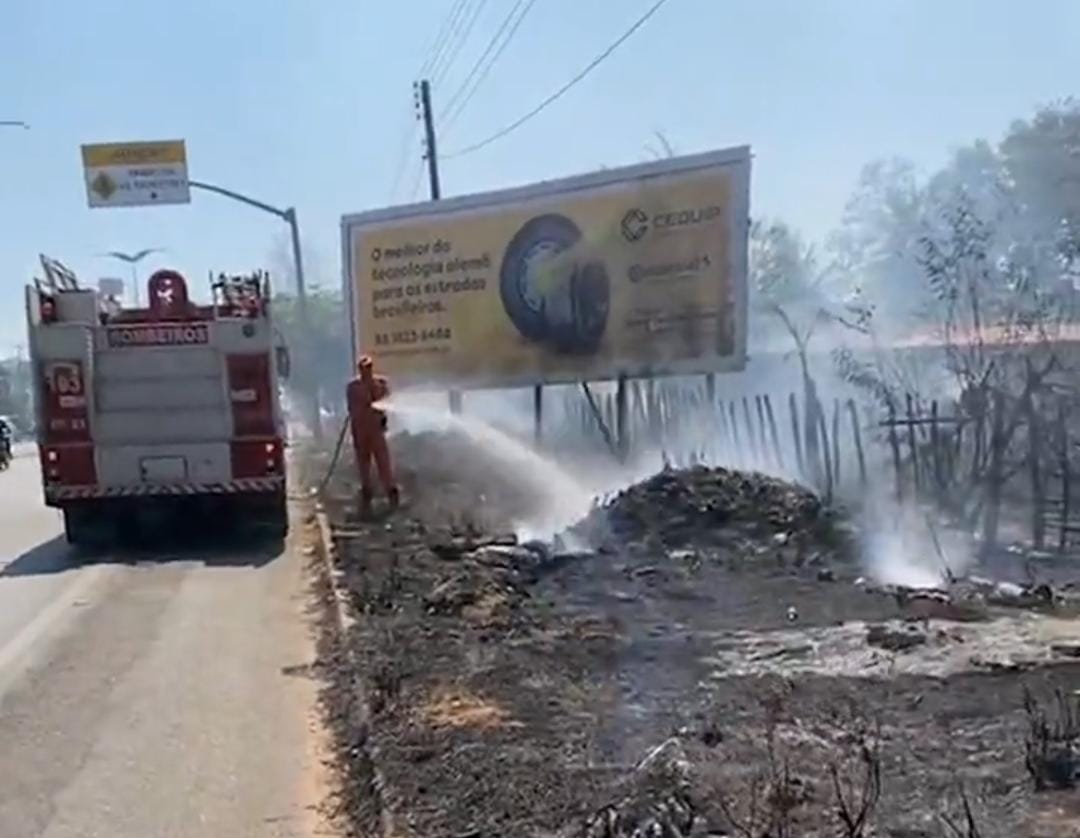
(636,223)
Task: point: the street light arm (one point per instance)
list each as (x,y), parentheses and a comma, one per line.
(289,217)
(244,199)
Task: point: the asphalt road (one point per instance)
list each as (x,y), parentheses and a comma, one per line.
(159,694)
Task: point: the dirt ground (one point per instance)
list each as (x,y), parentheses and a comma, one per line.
(698,659)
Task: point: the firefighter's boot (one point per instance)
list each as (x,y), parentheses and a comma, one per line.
(393,496)
(365,503)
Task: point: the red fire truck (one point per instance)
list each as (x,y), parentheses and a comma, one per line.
(147,408)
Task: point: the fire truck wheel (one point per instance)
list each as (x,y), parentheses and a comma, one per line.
(271,517)
(85,529)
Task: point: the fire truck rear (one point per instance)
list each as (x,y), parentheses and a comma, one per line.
(141,410)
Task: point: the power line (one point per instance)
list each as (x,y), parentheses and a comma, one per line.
(455,41)
(410,128)
(444,36)
(492,44)
(440,74)
(453,115)
(558,94)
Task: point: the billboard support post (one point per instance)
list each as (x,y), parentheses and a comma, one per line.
(621,425)
(538,414)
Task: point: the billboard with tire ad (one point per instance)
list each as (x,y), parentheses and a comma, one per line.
(636,271)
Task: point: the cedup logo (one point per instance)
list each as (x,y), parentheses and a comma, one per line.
(635,224)
(686,217)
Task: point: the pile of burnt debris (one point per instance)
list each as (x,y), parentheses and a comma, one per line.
(702,505)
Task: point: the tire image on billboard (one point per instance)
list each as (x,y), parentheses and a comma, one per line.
(564,305)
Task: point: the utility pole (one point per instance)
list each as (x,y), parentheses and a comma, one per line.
(432,155)
(429,137)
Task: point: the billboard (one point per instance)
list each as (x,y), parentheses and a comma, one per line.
(633,271)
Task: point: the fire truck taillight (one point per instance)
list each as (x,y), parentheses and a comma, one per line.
(52,464)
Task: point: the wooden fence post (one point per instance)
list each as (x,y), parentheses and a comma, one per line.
(935,448)
(1066,478)
(857,438)
(995,474)
(793,408)
(912,444)
(722,426)
(836,442)
(777,448)
(1038,500)
(894,444)
(750,434)
(735,432)
(766,457)
(826,456)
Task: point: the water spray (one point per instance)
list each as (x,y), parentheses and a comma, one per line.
(561,499)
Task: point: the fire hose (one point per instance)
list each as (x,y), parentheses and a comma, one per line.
(335,457)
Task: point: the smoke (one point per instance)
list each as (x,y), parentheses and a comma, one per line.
(910,550)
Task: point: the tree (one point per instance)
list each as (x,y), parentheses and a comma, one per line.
(790,288)
(982,261)
(327,344)
(874,249)
(323,354)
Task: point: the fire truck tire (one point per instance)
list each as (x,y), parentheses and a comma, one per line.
(85,529)
(271,517)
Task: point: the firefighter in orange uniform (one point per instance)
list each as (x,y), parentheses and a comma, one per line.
(368,425)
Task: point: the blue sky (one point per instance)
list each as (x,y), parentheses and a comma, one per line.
(305,102)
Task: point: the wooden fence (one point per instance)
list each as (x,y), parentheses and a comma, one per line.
(1012,467)
(689,425)
(1013,464)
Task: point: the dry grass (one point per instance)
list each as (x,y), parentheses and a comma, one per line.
(489,609)
(455,707)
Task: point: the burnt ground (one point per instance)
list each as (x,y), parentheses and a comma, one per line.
(707,669)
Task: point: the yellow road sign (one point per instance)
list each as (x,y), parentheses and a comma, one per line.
(136,174)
